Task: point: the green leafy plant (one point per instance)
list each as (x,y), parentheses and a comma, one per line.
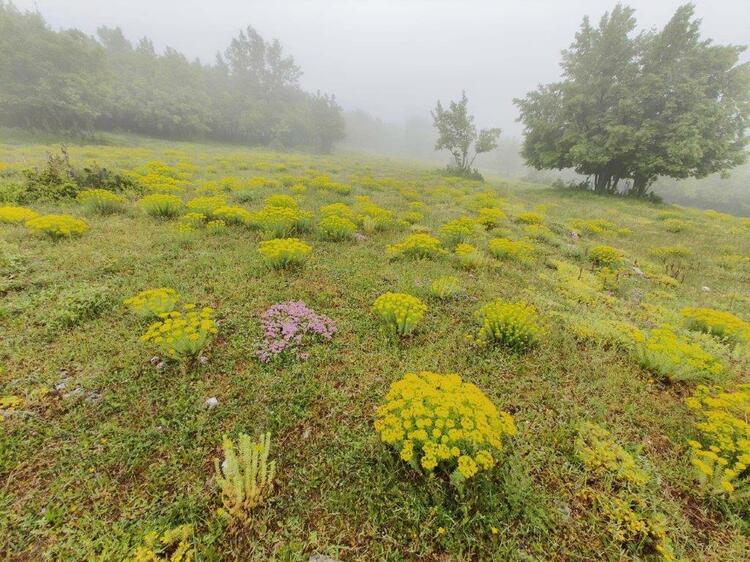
(418,245)
(335,227)
(445,287)
(101,201)
(670,356)
(513,250)
(246,476)
(513,325)
(161,205)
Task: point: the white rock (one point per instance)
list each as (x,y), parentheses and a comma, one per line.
(706,289)
(211,402)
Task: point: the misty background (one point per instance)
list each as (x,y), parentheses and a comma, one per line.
(389,61)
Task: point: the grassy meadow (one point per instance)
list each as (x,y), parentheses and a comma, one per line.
(104,440)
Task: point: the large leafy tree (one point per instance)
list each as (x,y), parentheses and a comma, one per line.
(458,134)
(635,106)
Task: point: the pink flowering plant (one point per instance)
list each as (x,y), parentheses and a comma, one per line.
(288,327)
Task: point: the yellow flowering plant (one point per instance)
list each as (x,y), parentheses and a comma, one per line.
(58,226)
(182,335)
(280,221)
(721,454)
(161,205)
(196,220)
(335,227)
(337,209)
(232,214)
(281,201)
(400,313)
(439,423)
(513,325)
(458,230)
(101,201)
(14,215)
(670,356)
(445,287)
(469,257)
(606,257)
(418,245)
(723,325)
(603,457)
(284,252)
(153,302)
(490,217)
(171,546)
(514,250)
(530,217)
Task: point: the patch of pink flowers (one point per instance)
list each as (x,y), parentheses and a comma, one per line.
(288,327)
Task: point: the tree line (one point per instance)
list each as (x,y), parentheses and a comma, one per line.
(69,81)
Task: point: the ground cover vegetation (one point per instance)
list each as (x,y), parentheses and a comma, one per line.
(215,353)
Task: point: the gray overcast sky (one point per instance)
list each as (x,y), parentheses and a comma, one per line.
(394,58)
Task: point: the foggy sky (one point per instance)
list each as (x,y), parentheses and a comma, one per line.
(394,58)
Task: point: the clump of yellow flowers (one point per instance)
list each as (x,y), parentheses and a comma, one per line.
(336,227)
(182,335)
(418,245)
(153,302)
(602,455)
(58,226)
(231,214)
(161,205)
(606,256)
(671,356)
(507,249)
(171,546)
(723,325)
(399,312)
(458,230)
(619,495)
(284,252)
(514,325)
(206,205)
(12,215)
(722,454)
(438,422)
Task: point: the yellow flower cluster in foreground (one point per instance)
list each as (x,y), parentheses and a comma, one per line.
(153,302)
(724,325)
(284,252)
(58,226)
(722,456)
(438,421)
(671,356)
(400,312)
(16,214)
(172,546)
(182,335)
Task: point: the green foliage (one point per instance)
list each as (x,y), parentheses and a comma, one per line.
(512,325)
(458,230)
(101,201)
(603,457)
(445,287)
(246,476)
(79,306)
(68,81)
(620,112)
(277,222)
(160,205)
(469,257)
(171,546)
(400,313)
(458,134)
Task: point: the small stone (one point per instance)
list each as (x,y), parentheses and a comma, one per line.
(155,360)
(160,365)
(73,393)
(638,271)
(359,237)
(706,289)
(322,558)
(211,402)
(60,385)
(203,359)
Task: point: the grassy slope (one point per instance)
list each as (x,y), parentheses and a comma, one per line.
(86,475)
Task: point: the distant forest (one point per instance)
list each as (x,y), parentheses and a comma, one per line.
(72,82)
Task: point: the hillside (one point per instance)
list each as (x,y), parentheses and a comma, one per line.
(106,439)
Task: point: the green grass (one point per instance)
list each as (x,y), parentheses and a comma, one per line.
(121,448)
